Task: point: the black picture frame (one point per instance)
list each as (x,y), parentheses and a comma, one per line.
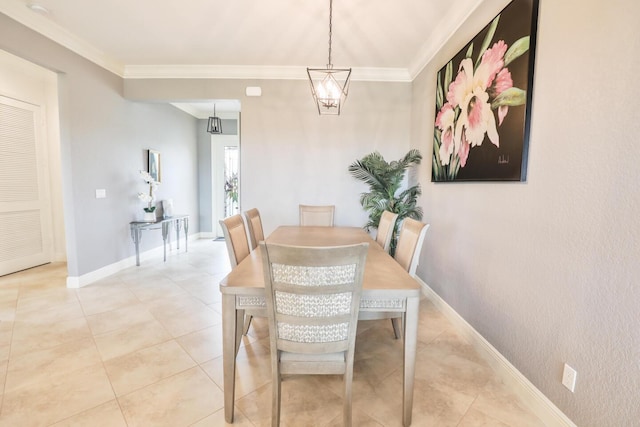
(483,101)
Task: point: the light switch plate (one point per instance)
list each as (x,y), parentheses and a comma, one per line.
(101,193)
(569,378)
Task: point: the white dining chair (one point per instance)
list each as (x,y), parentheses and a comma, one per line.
(313,299)
(311,215)
(385,229)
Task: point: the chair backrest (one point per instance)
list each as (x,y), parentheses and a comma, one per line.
(235,236)
(313,296)
(254,224)
(410,244)
(317,215)
(385,229)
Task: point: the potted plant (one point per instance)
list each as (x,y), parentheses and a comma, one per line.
(149,210)
(385,193)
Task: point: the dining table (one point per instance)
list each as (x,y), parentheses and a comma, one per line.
(387,289)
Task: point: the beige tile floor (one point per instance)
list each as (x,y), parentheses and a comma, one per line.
(143,348)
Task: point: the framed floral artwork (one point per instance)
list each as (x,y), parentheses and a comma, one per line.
(483,101)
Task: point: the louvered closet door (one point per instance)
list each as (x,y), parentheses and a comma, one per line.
(25,221)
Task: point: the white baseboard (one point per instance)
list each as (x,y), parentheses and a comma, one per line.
(101,273)
(533,398)
(108,270)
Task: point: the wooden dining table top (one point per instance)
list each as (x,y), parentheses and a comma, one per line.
(382,273)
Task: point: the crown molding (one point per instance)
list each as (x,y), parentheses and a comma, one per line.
(213,72)
(254,72)
(371,74)
(19,12)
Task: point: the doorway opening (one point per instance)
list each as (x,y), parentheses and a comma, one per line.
(231,187)
(225,171)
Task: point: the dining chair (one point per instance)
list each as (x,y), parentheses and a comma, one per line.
(235,236)
(385,229)
(311,215)
(409,245)
(256,234)
(407,254)
(313,299)
(254,225)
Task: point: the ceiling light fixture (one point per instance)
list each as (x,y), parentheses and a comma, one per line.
(215,124)
(329,86)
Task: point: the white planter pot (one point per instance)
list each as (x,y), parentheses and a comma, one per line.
(149,216)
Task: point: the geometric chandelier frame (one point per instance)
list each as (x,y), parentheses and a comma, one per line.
(329,86)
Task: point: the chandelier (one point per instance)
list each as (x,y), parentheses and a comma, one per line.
(214,126)
(329,86)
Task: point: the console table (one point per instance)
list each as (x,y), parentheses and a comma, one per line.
(161,223)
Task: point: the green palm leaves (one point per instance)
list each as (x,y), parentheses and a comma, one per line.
(385,181)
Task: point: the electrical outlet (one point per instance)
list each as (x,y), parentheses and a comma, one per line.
(101,193)
(569,378)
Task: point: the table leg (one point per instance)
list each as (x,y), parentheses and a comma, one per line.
(410,343)
(178,234)
(229,337)
(239,329)
(165,236)
(136,234)
(186,234)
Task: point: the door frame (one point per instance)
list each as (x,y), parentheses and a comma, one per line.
(30,83)
(218,142)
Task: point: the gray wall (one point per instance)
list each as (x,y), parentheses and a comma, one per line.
(103,142)
(547,270)
(204,177)
(290,155)
(229,126)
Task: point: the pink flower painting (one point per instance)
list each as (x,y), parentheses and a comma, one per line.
(481,114)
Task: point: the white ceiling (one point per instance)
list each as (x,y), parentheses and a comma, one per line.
(380,39)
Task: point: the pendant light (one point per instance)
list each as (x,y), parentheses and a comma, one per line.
(329,86)
(215,124)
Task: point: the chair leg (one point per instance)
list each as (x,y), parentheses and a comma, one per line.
(275,398)
(348,380)
(247,323)
(397,327)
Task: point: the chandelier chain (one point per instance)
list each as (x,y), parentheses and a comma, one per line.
(330,31)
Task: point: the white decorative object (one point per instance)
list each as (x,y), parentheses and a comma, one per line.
(149,211)
(167,208)
(149,216)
